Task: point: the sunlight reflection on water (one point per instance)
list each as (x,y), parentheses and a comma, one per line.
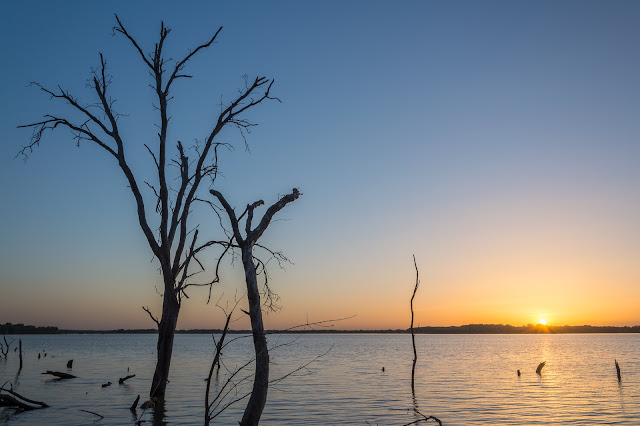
(462,379)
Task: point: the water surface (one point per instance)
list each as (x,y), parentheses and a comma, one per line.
(461,379)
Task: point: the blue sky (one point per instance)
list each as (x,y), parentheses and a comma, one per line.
(498,141)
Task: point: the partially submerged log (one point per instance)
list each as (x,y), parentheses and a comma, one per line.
(122,379)
(540,367)
(618,371)
(9,398)
(60,375)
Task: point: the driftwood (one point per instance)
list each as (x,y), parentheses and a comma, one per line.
(9,398)
(618,371)
(106,384)
(60,375)
(540,367)
(122,379)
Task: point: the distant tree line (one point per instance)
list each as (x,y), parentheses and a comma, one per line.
(525,329)
(8,328)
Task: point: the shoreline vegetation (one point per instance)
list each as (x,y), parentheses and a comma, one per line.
(9,328)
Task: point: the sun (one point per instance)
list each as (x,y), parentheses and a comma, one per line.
(542,321)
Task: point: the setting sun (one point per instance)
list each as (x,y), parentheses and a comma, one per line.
(542,321)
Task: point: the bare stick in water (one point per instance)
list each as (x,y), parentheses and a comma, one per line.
(618,371)
(413,335)
(540,367)
(135,404)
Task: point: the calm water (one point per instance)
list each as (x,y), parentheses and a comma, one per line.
(462,379)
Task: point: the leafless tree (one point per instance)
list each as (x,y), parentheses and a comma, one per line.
(246,243)
(174,243)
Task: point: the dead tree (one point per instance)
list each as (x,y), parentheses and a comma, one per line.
(258,397)
(164,211)
(413,334)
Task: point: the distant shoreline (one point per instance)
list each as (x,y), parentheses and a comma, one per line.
(9,328)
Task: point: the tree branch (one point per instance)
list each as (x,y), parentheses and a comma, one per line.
(231,214)
(151,315)
(271,211)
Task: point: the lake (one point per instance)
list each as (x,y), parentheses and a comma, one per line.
(461,379)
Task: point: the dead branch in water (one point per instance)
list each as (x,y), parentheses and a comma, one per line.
(413,335)
(95,414)
(216,360)
(415,357)
(60,375)
(121,380)
(540,367)
(9,398)
(618,371)
(229,391)
(135,404)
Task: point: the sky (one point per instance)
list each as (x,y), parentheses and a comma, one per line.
(496,141)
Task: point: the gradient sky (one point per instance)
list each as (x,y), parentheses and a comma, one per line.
(497,141)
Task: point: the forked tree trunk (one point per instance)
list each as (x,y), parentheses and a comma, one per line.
(166,333)
(258,398)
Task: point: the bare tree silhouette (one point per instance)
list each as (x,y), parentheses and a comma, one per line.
(97,123)
(258,398)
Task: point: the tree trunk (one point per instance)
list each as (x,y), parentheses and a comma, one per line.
(258,398)
(166,333)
